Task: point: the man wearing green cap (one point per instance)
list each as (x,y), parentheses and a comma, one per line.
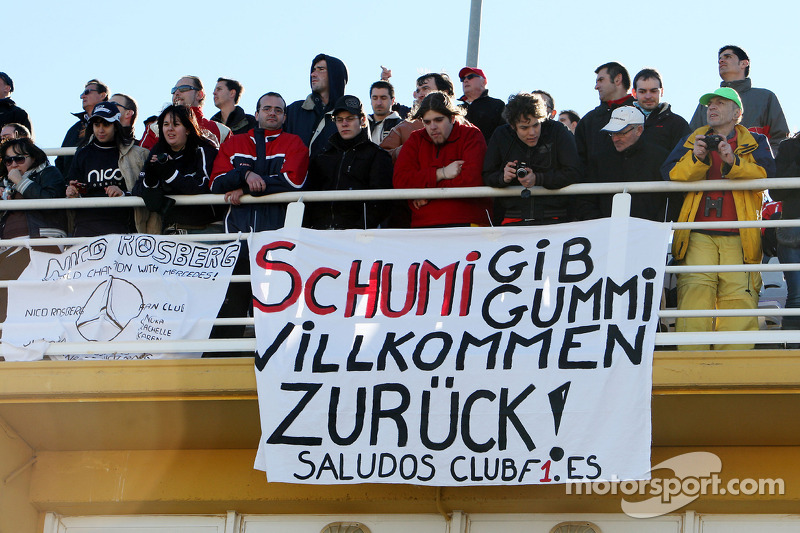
(723,149)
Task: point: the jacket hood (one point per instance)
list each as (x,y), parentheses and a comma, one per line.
(337,77)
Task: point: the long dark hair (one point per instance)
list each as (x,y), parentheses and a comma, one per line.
(21,146)
(185,116)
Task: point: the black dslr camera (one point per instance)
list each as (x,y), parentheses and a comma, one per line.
(712,142)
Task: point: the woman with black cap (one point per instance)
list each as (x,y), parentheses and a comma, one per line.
(105,167)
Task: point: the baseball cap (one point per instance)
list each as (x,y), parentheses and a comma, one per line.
(107,111)
(722,92)
(622,117)
(348,103)
(470,70)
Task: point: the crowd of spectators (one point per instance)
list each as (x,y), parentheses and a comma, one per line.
(326,141)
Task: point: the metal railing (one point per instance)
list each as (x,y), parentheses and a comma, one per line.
(248,344)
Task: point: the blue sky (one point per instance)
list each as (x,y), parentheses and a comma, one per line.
(142,48)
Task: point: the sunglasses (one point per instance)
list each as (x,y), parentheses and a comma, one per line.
(183,89)
(469,77)
(87,92)
(11,159)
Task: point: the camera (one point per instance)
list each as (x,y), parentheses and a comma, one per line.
(522,170)
(712,142)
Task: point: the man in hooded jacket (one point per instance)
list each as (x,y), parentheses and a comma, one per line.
(310,119)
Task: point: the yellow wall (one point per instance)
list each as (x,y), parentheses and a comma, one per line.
(142,437)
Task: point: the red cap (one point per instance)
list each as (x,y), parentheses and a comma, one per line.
(470,70)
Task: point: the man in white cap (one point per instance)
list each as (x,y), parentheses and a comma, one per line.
(724,149)
(630,159)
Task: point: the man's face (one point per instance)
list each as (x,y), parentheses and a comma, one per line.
(730,68)
(648,93)
(423,89)
(223,95)
(319,77)
(271,114)
(381,102)
(564,119)
(473,85)
(187,94)
(103,131)
(90,97)
(5,89)
(604,85)
(7,132)
(721,112)
(125,113)
(438,126)
(626,137)
(528,130)
(348,124)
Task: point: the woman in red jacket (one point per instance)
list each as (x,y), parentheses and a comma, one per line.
(446,153)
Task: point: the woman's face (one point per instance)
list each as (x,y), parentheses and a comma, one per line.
(103,131)
(13,160)
(175,133)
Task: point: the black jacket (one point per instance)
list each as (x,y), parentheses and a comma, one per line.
(182,173)
(10,112)
(303,116)
(357,164)
(588,137)
(640,162)
(554,159)
(43,182)
(238,121)
(485,113)
(788,166)
(665,128)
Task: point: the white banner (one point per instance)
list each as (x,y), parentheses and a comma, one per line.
(117,288)
(464,356)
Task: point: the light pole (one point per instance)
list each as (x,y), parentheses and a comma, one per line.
(474,37)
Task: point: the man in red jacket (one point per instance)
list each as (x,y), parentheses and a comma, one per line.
(445,153)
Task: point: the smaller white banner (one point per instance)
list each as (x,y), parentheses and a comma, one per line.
(117,288)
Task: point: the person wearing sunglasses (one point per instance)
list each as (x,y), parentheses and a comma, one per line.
(78,135)
(188,91)
(108,166)
(27,174)
(483,111)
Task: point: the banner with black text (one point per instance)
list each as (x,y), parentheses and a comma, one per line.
(463,356)
(117,288)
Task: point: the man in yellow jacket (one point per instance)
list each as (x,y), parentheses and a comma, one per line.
(721,150)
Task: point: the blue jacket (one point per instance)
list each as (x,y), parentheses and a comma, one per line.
(303,116)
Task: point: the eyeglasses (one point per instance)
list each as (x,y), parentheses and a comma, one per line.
(345,120)
(11,159)
(122,106)
(469,77)
(621,133)
(183,89)
(87,92)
